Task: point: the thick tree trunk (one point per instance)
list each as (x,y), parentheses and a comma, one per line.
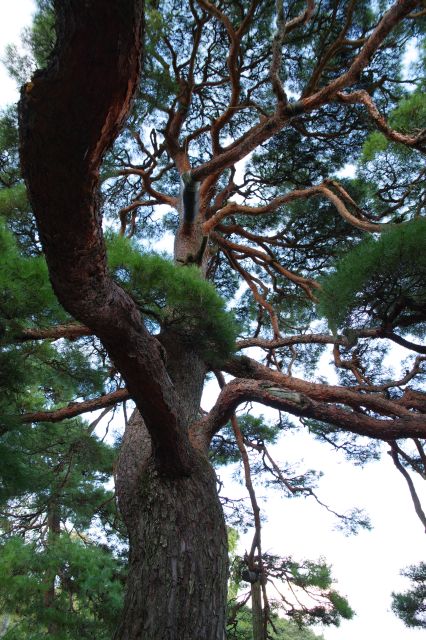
(69,115)
(177,581)
(178,559)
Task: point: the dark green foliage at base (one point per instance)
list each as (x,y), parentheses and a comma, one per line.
(58,473)
(88,590)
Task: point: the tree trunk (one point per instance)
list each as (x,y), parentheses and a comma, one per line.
(177,582)
(257,611)
(178,557)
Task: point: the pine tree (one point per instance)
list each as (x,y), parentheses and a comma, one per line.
(92,316)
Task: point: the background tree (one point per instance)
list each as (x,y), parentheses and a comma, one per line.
(282,629)
(296,91)
(410,606)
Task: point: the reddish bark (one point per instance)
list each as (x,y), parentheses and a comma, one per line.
(284,112)
(71,331)
(69,115)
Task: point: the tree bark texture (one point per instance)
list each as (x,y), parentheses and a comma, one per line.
(258,626)
(70,113)
(177,582)
(178,559)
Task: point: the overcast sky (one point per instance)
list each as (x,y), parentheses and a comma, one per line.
(366,566)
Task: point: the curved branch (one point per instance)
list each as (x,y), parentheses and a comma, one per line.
(282,117)
(362,97)
(394,451)
(261,300)
(233,208)
(245,367)
(76,408)
(397,12)
(232,63)
(364,225)
(281,397)
(161,198)
(412,346)
(331,51)
(69,116)
(307,284)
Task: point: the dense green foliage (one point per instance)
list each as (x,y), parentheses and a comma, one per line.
(378,282)
(410,605)
(174,296)
(87,602)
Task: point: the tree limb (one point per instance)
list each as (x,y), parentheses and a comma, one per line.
(69,116)
(282,117)
(239,390)
(394,451)
(76,408)
(71,331)
(361,96)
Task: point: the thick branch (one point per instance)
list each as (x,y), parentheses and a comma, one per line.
(364,225)
(69,115)
(300,404)
(417,142)
(273,124)
(244,367)
(77,408)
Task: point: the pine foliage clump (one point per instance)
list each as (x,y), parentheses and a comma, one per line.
(86,606)
(175,296)
(410,606)
(379,282)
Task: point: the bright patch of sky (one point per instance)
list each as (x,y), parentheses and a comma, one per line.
(13,19)
(411,55)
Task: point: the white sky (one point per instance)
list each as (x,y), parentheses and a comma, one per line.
(366,566)
(14,16)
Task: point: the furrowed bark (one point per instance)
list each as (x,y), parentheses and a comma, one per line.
(69,115)
(405,424)
(177,581)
